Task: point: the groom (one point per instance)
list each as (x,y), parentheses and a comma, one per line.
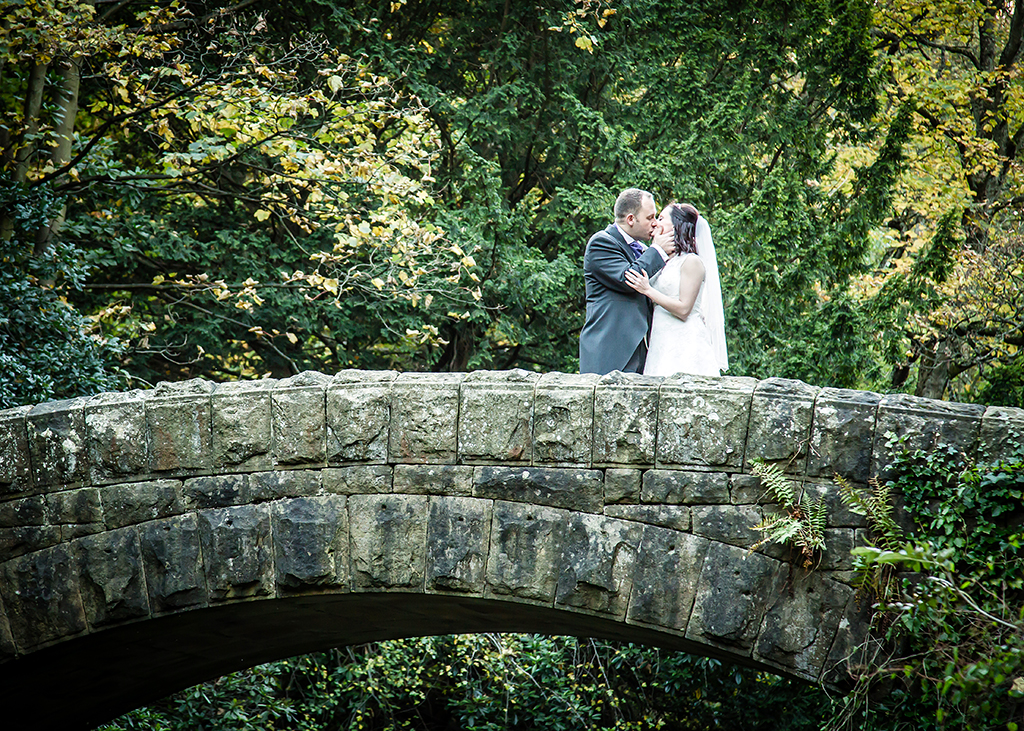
(618,317)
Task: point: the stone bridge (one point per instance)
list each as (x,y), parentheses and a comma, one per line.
(151,540)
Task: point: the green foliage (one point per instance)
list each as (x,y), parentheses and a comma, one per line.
(801,526)
(876,505)
(952,645)
(48,350)
(490,683)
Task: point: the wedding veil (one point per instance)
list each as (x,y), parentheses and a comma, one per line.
(711,305)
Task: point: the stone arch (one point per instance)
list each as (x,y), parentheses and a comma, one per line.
(213,527)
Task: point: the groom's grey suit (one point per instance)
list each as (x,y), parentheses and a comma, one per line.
(618,317)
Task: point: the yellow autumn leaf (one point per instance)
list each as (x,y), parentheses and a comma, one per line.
(262,214)
(377,282)
(585,43)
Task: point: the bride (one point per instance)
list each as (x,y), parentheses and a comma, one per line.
(688,331)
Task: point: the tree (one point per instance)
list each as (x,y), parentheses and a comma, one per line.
(959,62)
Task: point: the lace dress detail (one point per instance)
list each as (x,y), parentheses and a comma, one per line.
(679,346)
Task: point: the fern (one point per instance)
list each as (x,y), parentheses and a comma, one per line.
(802,527)
(877,507)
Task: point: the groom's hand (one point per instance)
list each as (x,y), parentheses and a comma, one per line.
(666,242)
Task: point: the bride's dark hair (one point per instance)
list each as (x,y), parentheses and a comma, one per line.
(684,224)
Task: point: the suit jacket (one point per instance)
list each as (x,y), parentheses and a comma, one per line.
(618,317)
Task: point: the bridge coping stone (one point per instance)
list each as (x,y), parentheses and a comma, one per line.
(600,495)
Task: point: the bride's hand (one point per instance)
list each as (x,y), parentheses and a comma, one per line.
(638,281)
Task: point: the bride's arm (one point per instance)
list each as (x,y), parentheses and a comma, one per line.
(691,274)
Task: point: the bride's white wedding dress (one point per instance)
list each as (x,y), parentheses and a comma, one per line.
(679,346)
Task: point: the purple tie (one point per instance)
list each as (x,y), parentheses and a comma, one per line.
(637,248)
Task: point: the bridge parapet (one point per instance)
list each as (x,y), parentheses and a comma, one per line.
(620,499)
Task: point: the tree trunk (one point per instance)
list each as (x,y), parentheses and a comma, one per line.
(933,371)
(65,134)
(30,127)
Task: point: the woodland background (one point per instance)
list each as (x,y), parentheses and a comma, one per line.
(246,189)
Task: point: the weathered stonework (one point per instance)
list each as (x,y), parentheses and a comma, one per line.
(179,423)
(117,437)
(424,417)
(625,410)
(844,422)
(703,421)
(563,419)
(458,531)
(362,506)
(298,412)
(388,537)
(574,489)
(241,413)
(57,442)
(358,416)
(496,417)
(311,544)
(923,423)
(780,423)
(15,463)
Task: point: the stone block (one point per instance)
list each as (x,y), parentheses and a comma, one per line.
(434,479)
(8,648)
(842,433)
(1001,437)
(15,463)
(780,423)
(117,436)
(111,577)
(219,491)
(173,562)
(178,417)
(458,530)
(424,417)
(667,516)
(736,587)
(685,488)
(496,417)
(78,512)
(853,646)
(57,442)
(558,487)
(358,480)
(597,562)
(40,594)
(311,543)
(26,539)
(622,486)
(41,597)
(237,552)
(299,416)
(388,534)
(703,420)
(139,502)
(668,566)
(563,419)
(625,417)
(242,431)
(525,550)
(730,524)
(24,512)
(746,490)
(266,486)
(801,622)
(358,416)
(922,423)
(838,544)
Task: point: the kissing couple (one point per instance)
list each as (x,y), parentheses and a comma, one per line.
(655,309)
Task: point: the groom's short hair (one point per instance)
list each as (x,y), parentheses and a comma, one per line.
(629,201)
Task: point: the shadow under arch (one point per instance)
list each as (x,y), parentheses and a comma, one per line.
(93,679)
